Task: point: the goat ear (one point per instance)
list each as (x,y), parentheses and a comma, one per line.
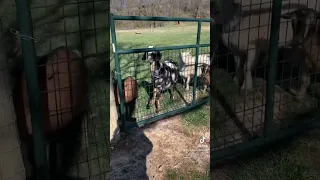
(287,16)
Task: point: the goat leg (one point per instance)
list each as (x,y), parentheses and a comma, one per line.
(305,82)
(154,95)
(188,82)
(238,70)
(171,93)
(158,104)
(247,83)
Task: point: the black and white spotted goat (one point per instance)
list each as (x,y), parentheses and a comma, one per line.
(164,76)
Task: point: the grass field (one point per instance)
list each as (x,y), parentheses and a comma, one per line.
(297,158)
(132,65)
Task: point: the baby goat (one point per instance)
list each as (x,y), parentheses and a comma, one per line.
(164,76)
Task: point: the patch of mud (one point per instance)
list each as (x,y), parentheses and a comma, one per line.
(147,153)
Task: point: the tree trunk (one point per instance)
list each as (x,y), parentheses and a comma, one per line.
(11,162)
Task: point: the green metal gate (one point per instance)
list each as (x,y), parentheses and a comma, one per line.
(243,122)
(43,27)
(122,70)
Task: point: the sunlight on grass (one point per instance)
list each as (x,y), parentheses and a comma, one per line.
(194,175)
(197,117)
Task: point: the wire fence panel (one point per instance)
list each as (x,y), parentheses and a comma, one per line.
(72,47)
(10,149)
(187,86)
(264,86)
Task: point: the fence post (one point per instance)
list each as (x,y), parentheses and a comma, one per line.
(196,64)
(118,73)
(272,67)
(30,68)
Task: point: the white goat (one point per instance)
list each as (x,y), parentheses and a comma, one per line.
(188,59)
(187,67)
(249,24)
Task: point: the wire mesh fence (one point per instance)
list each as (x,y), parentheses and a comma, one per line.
(10,150)
(164,78)
(133,65)
(72,45)
(263,88)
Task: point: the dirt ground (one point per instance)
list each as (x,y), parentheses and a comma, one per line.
(167,144)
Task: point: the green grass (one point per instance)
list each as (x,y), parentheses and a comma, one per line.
(162,36)
(294,160)
(190,175)
(132,65)
(197,117)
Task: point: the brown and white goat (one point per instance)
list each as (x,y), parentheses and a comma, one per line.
(305,27)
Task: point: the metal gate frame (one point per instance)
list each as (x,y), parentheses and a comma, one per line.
(36,110)
(271,132)
(125,126)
